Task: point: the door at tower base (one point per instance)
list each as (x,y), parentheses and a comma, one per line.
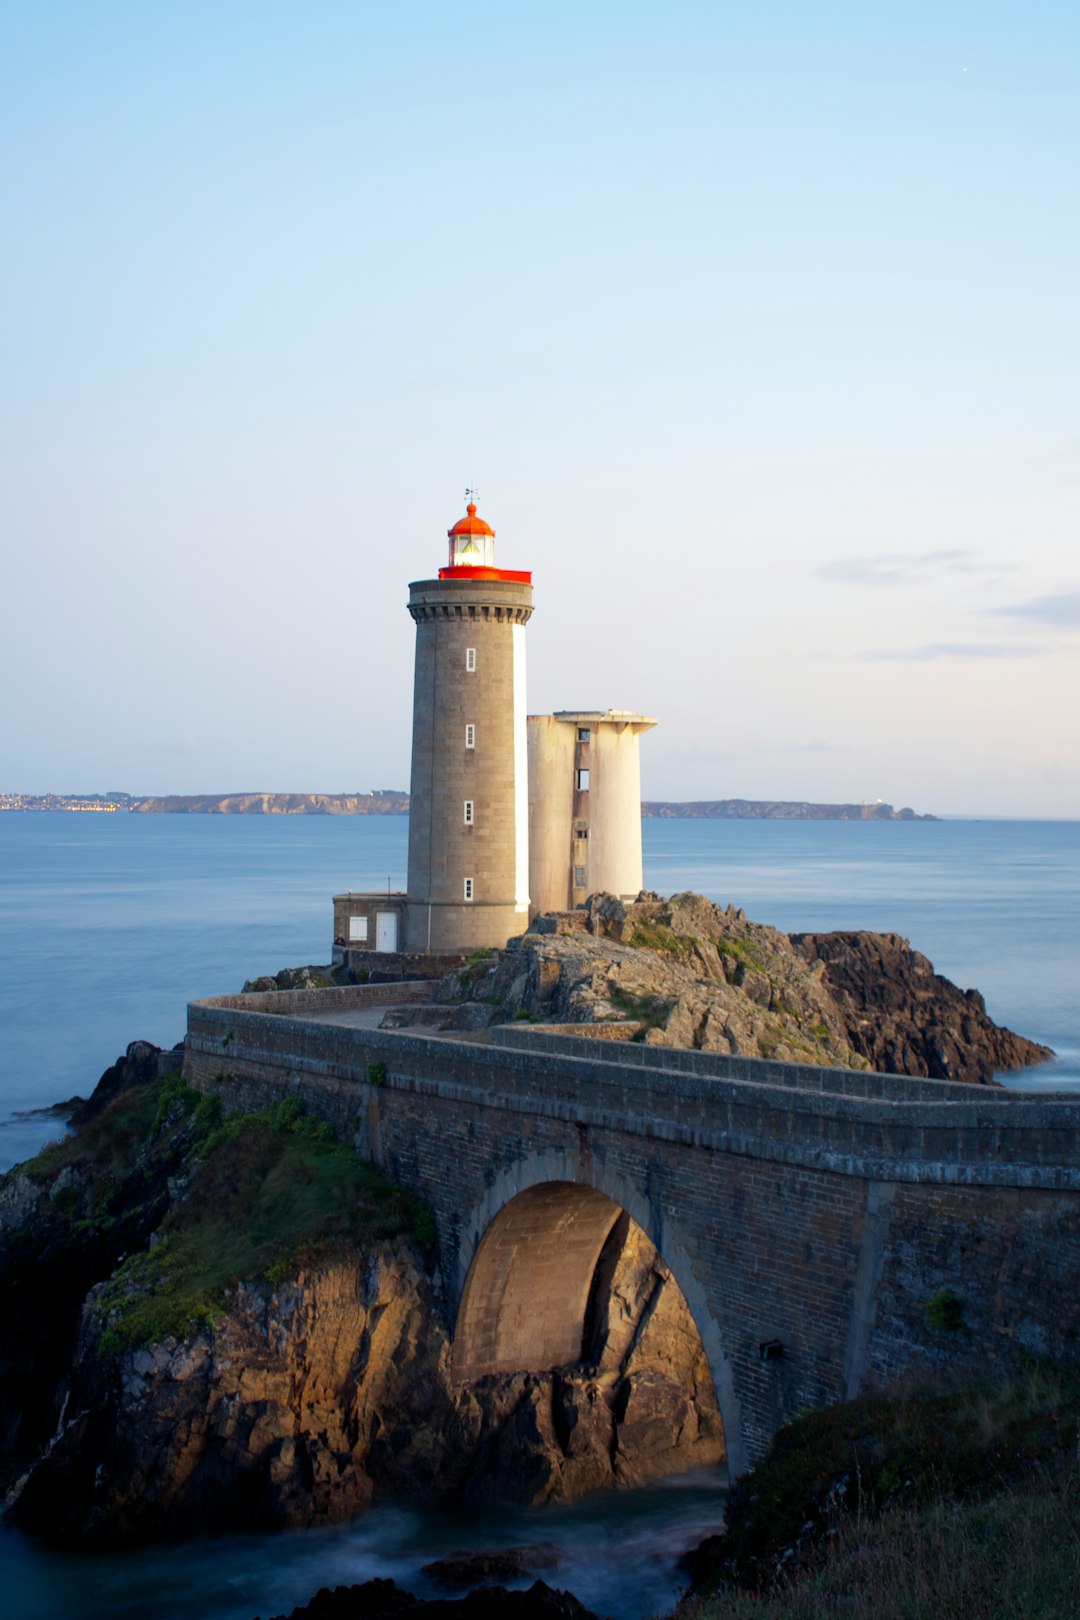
(584,806)
(468,816)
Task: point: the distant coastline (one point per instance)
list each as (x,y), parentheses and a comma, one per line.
(393,802)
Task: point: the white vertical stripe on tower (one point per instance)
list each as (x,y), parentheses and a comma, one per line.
(521,772)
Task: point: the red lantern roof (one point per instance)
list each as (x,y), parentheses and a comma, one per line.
(470,524)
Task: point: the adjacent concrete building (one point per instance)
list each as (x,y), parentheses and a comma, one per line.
(584,806)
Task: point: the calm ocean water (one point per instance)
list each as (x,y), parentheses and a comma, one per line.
(110,924)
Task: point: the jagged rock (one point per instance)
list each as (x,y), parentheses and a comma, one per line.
(141,1064)
(384,1600)
(688,972)
(903,1017)
(490,1564)
(298,978)
(62,1231)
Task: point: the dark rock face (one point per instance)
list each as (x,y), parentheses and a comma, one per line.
(384,1600)
(140,1065)
(906,1019)
(58,1237)
(464,1569)
(308,1398)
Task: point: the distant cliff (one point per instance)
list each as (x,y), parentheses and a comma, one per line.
(776,810)
(387,802)
(390,802)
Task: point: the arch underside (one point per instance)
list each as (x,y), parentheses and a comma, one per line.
(526,1296)
(567,1292)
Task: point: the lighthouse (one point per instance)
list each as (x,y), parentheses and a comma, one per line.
(468,875)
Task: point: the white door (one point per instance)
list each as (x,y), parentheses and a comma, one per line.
(386,930)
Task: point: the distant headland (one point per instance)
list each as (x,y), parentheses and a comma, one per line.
(392,802)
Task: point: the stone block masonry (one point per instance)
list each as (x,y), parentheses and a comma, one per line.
(790,1213)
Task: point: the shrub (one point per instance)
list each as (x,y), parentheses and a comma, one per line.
(944,1312)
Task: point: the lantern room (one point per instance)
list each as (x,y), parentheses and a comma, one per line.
(472,552)
(472,542)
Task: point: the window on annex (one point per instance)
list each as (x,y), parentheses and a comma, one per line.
(358,928)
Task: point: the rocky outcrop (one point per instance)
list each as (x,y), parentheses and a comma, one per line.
(687,972)
(299,978)
(279,1413)
(904,1018)
(306,1399)
(66,1222)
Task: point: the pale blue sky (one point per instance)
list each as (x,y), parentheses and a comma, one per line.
(756,326)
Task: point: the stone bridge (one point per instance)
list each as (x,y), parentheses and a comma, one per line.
(808,1215)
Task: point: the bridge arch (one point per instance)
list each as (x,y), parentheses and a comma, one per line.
(527,1264)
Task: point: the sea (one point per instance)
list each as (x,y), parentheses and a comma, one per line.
(110,923)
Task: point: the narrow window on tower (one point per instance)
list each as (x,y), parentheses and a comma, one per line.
(468,812)
(468,888)
(583,781)
(470,736)
(470,659)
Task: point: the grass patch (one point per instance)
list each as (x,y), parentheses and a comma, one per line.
(112,1142)
(1014,1557)
(270,1192)
(648,1012)
(743,953)
(656,936)
(909,1450)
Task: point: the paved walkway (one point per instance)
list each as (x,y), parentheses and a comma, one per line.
(357,1018)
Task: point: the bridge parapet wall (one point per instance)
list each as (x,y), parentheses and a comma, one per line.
(573,1041)
(332,999)
(987,1137)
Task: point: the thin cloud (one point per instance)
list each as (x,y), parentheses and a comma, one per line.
(899,567)
(1061,610)
(952,649)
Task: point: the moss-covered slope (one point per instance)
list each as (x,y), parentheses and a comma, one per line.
(909,1504)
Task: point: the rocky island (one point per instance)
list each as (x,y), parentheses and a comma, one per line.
(687,972)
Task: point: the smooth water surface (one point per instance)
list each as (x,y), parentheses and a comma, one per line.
(110,924)
(617,1553)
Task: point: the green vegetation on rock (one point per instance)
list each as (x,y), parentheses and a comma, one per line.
(255,1197)
(958,1500)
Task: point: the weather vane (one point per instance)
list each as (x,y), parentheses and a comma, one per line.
(472,495)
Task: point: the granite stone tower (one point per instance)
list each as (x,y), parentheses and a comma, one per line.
(468,879)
